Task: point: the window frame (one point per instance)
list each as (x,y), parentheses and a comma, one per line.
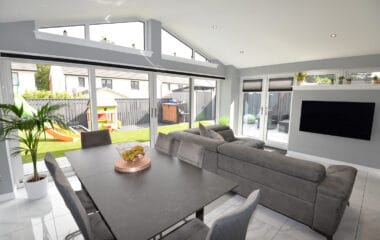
(80,81)
(105,82)
(88,37)
(135,84)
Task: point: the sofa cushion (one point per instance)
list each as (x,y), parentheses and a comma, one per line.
(215,135)
(203,131)
(285,183)
(193,131)
(249,142)
(218,127)
(228,135)
(311,171)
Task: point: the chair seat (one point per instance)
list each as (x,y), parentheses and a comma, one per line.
(99,229)
(193,230)
(86,201)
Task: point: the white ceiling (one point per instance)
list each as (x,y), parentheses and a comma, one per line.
(268,31)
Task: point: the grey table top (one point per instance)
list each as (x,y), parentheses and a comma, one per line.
(141,205)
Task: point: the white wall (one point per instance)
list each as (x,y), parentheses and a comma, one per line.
(26,81)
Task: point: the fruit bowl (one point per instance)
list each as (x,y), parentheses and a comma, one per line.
(132,151)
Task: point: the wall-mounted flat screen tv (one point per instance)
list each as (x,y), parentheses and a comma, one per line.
(344,119)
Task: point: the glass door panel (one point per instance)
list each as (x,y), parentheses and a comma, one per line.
(278,116)
(204,101)
(252,115)
(173,103)
(35,85)
(123,104)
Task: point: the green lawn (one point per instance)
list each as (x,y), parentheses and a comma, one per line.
(58,148)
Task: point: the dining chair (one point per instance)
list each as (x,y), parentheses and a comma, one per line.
(58,175)
(164,143)
(91,226)
(231,226)
(95,138)
(191,153)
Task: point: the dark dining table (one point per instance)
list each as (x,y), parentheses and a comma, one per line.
(143,204)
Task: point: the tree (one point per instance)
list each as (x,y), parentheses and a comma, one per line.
(42,77)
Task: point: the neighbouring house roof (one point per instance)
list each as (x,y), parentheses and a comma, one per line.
(15,66)
(105,73)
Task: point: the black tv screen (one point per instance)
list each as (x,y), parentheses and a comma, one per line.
(344,119)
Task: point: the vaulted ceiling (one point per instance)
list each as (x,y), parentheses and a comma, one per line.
(244,33)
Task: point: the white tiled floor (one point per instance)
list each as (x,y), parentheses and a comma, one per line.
(50,219)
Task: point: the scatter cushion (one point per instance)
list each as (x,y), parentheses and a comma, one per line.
(215,135)
(203,130)
(228,135)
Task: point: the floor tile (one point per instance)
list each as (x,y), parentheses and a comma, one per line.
(260,230)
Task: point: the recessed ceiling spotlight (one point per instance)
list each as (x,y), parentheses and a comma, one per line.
(333,35)
(241,51)
(214,27)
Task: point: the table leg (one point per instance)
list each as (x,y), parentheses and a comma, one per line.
(200,214)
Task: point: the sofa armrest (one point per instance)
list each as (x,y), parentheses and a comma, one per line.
(208,143)
(332,197)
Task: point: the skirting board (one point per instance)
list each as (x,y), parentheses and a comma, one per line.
(328,161)
(7,196)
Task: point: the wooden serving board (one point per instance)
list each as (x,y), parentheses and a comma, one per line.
(132,166)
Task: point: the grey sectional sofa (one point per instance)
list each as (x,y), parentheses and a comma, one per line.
(303,190)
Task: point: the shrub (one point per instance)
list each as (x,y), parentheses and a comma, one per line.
(224,121)
(47,94)
(249,119)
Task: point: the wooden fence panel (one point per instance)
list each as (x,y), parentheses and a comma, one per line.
(74,111)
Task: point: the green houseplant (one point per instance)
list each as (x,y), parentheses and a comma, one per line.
(375,79)
(348,80)
(340,80)
(28,127)
(300,76)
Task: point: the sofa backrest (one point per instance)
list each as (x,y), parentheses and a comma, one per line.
(208,143)
(306,170)
(223,130)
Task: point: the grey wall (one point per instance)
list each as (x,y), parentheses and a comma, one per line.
(333,63)
(6,184)
(229,96)
(349,150)
(19,37)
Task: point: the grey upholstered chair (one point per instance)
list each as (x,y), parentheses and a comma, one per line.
(91,226)
(164,143)
(95,138)
(232,226)
(191,153)
(57,174)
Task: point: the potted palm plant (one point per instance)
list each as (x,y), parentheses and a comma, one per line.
(375,79)
(28,128)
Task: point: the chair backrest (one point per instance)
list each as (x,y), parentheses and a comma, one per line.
(164,143)
(95,138)
(191,153)
(234,225)
(72,201)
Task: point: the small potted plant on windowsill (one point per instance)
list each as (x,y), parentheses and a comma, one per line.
(375,80)
(300,76)
(28,128)
(340,80)
(348,81)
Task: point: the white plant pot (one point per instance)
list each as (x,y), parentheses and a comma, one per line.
(36,190)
